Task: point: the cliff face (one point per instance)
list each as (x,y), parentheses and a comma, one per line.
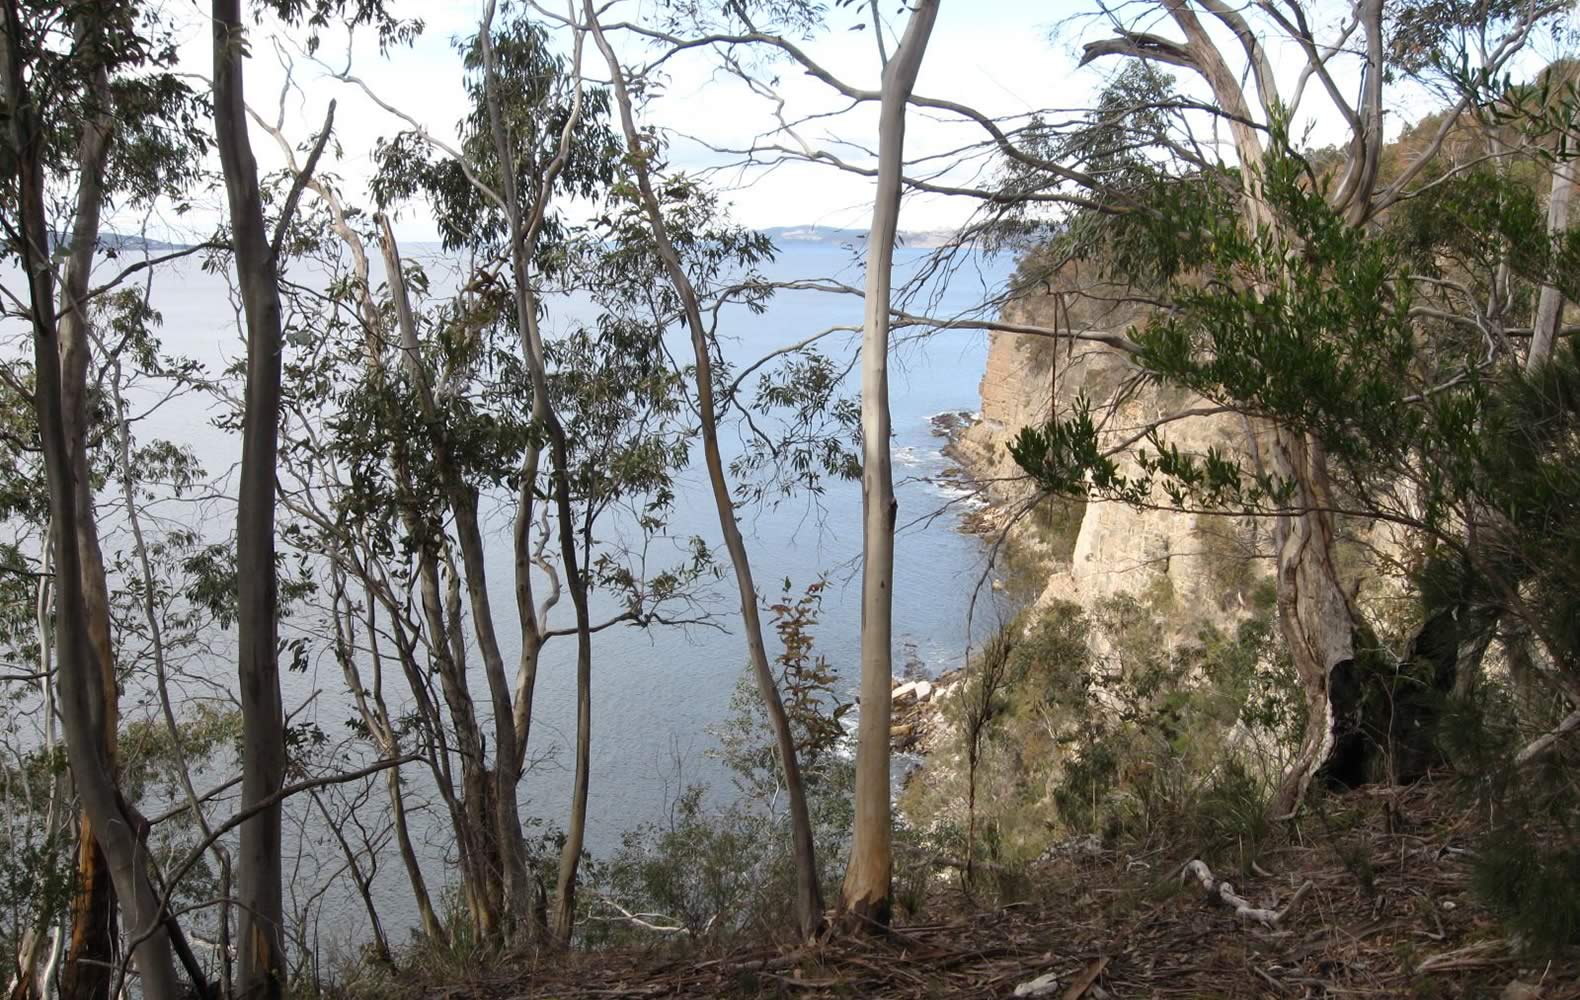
(1017,391)
(1205,565)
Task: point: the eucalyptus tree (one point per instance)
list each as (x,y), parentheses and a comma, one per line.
(1097,185)
(868,881)
(865,896)
(261,957)
(331,236)
(97,112)
(35,839)
(1551,103)
(1196,155)
(525,140)
(639,163)
(548,153)
(372,505)
(471,375)
(81,670)
(359,491)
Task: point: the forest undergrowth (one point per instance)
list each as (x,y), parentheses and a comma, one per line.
(1098,821)
(1392,911)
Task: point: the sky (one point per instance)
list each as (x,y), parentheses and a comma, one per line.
(1003,57)
(995,55)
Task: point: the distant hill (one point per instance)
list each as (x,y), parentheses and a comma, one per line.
(119,243)
(124,243)
(830,236)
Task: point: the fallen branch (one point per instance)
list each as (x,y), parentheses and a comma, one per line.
(640,919)
(1087,979)
(1548,740)
(1469,957)
(1243,909)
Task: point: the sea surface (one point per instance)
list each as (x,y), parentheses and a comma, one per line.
(656,691)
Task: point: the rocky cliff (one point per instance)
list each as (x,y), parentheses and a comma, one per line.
(1207,566)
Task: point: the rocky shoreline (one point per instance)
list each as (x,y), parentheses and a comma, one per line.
(965,472)
(916,718)
(916,722)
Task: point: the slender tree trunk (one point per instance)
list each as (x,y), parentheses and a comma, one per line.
(90,957)
(378,719)
(865,896)
(575,835)
(81,673)
(526,610)
(183,772)
(432,927)
(381,729)
(261,956)
(523,243)
(1550,307)
(503,807)
(809,893)
(32,980)
(362,880)
(23,985)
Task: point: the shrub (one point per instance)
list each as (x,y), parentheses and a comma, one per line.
(715,872)
(1105,727)
(1527,862)
(1533,889)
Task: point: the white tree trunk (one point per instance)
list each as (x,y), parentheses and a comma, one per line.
(865,895)
(1550,308)
(1314,612)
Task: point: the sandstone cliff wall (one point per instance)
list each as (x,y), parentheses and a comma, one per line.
(1207,566)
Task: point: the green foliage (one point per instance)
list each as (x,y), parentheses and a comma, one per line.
(1531,887)
(37,878)
(1306,323)
(807,686)
(1107,728)
(722,872)
(1526,867)
(700,870)
(806,680)
(1525,467)
(22,493)
(1120,141)
(819,430)
(160,132)
(621,406)
(533,91)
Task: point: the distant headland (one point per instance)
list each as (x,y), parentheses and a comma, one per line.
(831,236)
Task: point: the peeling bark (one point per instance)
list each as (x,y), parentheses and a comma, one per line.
(90,957)
(1315,613)
(81,672)
(1550,306)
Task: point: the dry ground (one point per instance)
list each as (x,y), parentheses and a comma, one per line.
(1389,914)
